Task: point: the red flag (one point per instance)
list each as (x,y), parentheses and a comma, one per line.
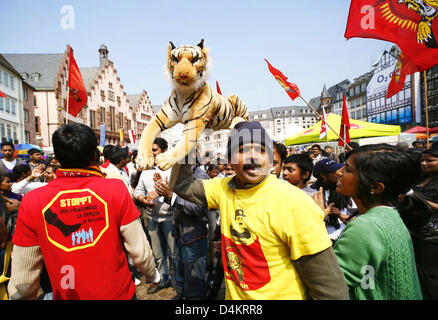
(403,67)
(345,125)
(2,95)
(77,92)
(411,24)
(323,132)
(291,88)
(217,88)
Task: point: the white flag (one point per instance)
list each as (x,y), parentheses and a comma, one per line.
(323,132)
(131,136)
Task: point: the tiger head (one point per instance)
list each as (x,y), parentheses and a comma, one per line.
(187,65)
(427,9)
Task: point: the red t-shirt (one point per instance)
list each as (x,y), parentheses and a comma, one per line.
(76,222)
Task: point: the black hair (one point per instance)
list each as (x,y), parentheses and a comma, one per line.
(354,145)
(432,151)
(134,154)
(97,156)
(74,145)
(8,143)
(107,151)
(33,150)
(162,143)
(117,155)
(399,170)
(18,171)
(281,149)
(9,175)
(211,167)
(303,161)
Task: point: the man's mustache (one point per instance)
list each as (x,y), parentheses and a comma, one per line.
(252,165)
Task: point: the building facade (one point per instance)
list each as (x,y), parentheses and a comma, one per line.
(143,112)
(39,71)
(11,106)
(29,114)
(432,97)
(398,109)
(357,97)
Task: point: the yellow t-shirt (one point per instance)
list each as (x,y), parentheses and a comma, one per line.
(263,229)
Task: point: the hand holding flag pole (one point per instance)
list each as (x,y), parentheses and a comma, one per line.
(293,92)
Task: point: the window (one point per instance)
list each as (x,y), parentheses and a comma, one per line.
(37,125)
(112,118)
(2,132)
(1,104)
(92,119)
(255,116)
(120,119)
(35,77)
(8,132)
(11,81)
(26,115)
(102,115)
(7,105)
(13,107)
(27,136)
(358,114)
(5,79)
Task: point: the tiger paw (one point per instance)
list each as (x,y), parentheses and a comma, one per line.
(165,161)
(146,161)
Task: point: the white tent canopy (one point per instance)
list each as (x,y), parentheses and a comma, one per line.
(291,130)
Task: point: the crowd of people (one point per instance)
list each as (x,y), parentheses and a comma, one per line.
(268,221)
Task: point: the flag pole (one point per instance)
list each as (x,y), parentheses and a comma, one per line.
(68,88)
(319,116)
(427,111)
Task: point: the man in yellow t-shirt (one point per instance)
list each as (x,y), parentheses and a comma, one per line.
(274,242)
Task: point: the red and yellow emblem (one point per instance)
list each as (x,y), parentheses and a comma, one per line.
(75,219)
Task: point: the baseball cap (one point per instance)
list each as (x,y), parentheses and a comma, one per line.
(326,165)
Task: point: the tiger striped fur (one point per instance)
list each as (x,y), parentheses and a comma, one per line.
(193,103)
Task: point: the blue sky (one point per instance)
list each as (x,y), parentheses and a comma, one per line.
(303,39)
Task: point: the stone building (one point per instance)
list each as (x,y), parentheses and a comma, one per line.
(107,101)
(11,106)
(40,71)
(143,112)
(432,97)
(357,97)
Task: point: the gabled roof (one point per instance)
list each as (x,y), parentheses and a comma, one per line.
(134,99)
(46,65)
(5,63)
(89,75)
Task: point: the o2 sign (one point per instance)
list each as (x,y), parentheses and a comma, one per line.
(383,78)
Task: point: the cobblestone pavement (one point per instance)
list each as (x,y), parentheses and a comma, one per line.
(164,294)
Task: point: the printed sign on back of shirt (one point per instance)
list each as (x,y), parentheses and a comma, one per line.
(75,219)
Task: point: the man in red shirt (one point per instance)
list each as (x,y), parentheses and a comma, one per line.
(80,224)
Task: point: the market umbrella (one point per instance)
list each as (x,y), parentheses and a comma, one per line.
(358,129)
(22,149)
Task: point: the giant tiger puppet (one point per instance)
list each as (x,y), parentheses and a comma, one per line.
(192,102)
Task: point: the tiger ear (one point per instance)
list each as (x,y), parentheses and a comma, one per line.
(201,44)
(170,47)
